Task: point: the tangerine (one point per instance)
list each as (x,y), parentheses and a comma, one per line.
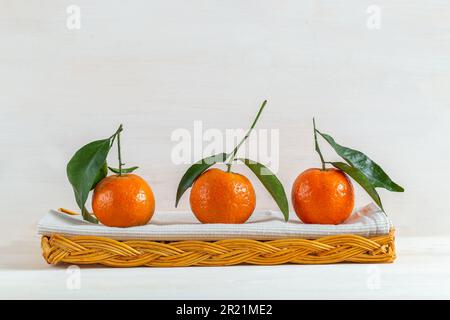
(222,197)
(323,196)
(123,201)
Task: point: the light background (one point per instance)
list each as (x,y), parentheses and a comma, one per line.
(160,65)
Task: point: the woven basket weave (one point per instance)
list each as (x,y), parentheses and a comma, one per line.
(135,253)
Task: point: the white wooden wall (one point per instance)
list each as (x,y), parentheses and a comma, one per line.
(160,65)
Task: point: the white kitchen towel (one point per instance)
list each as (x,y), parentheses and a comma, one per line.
(263,225)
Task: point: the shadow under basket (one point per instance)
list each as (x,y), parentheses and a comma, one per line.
(141,253)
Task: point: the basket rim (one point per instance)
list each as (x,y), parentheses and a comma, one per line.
(132,253)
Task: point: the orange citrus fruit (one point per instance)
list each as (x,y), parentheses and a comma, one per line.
(123,201)
(323,196)
(222,197)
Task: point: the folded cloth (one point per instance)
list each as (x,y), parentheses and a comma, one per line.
(263,225)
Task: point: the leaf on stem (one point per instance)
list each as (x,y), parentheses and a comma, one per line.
(374,173)
(271,183)
(86,168)
(83,170)
(124,170)
(100,175)
(361,179)
(196,170)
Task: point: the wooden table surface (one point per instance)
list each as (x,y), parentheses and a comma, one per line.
(422,270)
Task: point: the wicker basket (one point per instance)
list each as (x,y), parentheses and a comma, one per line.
(130,253)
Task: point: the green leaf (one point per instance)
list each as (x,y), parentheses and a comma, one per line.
(271,183)
(87,215)
(361,179)
(101,175)
(195,170)
(124,170)
(83,170)
(376,176)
